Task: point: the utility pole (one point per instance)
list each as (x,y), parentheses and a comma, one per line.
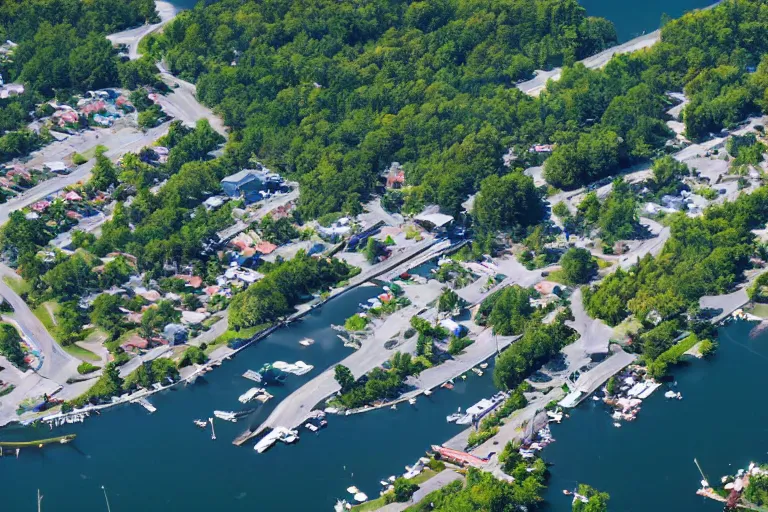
(39,500)
(105,498)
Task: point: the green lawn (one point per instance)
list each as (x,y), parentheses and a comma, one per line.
(229,334)
(601,263)
(81,353)
(17,284)
(557,276)
(760,310)
(379,502)
(44,312)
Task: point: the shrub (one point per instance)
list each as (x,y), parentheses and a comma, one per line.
(85,368)
(355,323)
(78,159)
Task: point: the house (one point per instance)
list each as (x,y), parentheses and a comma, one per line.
(66,117)
(93,107)
(214,202)
(41,206)
(57,167)
(175,334)
(72,196)
(541,148)
(149,295)
(102,120)
(192,281)
(193,317)
(135,344)
(242,182)
(452,327)
(265,247)
(395,176)
(6,91)
(433,221)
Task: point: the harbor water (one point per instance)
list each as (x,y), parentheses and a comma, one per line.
(161,461)
(648,464)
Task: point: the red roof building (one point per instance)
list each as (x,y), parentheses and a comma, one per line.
(265,247)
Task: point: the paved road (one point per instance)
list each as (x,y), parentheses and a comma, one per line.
(438,481)
(537,84)
(132,37)
(728,303)
(58,366)
(182,102)
(117,146)
(594,334)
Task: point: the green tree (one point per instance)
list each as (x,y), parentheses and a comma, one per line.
(448,300)
(404,489)
(578,266)
(106,313)
(508,203)
(344,377)
(597,501)
(10,345)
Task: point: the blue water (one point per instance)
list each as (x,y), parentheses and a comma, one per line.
(647,465)
(635,18)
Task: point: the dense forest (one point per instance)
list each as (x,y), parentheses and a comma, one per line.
(333,92)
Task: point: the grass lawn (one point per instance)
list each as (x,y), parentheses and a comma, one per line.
(381,501)
(601,263)
(44,312)
(558,276)
(629,326)
(81,353)
(229,335)
(18,285)
(760,310)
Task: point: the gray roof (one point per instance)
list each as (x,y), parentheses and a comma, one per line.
(245,175)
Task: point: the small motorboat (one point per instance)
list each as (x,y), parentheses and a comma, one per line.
(453,417)
(483,365)
(427,392)
(394,407)
(360,497)
(352,489)
(306,342)
(201,423)
(478,371)
(617,424)
(412,401)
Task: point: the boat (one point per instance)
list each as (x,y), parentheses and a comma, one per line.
(267,441)
(453,417)
(595,398)
(200,423)
(481,408)
(311,427)
(670,394)
(427,392)
(306,342)
(478,371)
(341,506)
(226,415)
(447,385)
(483,365)
(617,424)
(360,497)
(298,368)
(352,489)
(384,483)
(394,407)
(412,401)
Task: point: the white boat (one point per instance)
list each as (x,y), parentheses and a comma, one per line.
(481,408)
(394,407)
(340,506)
(287,436)
(201,423)
(311,427)
(412,401)
(267,441)
(478,371)
(226,416)
(617,424)
(298,368)
(427,392)
(384,483)
(352,489)
(361,497)
(483,365)
(670,394)
(306,342)
(453,417)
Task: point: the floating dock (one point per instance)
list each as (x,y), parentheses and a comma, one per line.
(252,375)
(145,404)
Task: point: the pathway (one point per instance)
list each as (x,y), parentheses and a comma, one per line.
(435,483)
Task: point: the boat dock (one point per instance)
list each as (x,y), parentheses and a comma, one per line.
(295,409)
(145,404)
(252,375)
(589,381)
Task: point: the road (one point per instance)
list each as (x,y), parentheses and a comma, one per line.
(58,366)
(132,37)
(537,84)
(182,102)
(534,86)
(117,146)
(438,481)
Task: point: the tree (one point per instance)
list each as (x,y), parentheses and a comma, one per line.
(344,377)
(404,489)
(69,322)
(578,266)
(106,313)
(10,345)
(448,300)
(618,217)
(598,501)
(372,250)
(70,278)
(511,310)
(104,174)
(666,175)
(507,203)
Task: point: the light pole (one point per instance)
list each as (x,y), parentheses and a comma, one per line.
(105,498)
